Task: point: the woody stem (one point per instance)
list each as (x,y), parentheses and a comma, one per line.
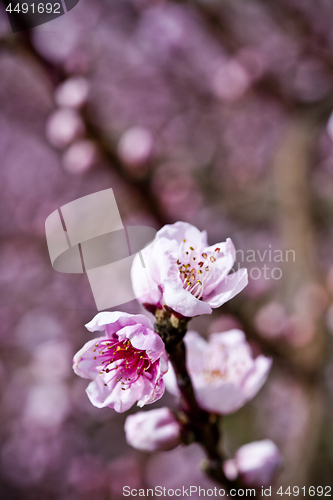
(203,425)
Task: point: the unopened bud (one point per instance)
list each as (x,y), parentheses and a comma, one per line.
(154,430)
(255,463)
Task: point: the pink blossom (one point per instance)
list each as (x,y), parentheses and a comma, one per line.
(126,364)
(255,463)
(185,273)
(223,371)
(154,430)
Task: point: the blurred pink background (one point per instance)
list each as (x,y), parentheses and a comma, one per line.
(215,113)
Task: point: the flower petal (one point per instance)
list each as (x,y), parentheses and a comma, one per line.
(84,364)
(182,230)
(183,301)
(223,398)
(219,269)
(146,339)
(113,321)
(155,394)
(112,395)
(170,381)
(195,347)
(229,338)
(257,377)
(228,288)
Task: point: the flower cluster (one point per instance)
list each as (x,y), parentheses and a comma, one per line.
(126,364)
(224,373)
(185,273)
(129,362)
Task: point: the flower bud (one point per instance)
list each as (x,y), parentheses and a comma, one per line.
(63,127)
(135,146)
(154,430)
(255,463)
(72,93)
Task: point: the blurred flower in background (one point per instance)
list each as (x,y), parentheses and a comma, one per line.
(216,114)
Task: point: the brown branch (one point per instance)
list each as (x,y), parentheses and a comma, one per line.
(203,425)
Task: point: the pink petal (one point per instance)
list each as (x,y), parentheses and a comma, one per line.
(170,382)
(195,347)
(183,230)
(232,337)
(183,301)
(226,247)
(154,395)
(220,269)
(113,396)
(228,288)
(223,398)
(145,289)
(145,339)
(113,321)
(84,364)
(257,377)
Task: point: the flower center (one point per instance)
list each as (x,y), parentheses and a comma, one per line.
(227,364)
(195,268)
(123,361)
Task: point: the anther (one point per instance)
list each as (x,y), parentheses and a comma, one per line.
(184,240)
(191,248)
(206,268)
(95,357)
(217,249)
(200,264)
(212,259)
(204,255)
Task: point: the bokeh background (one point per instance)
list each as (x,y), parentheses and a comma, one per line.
(215,112)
